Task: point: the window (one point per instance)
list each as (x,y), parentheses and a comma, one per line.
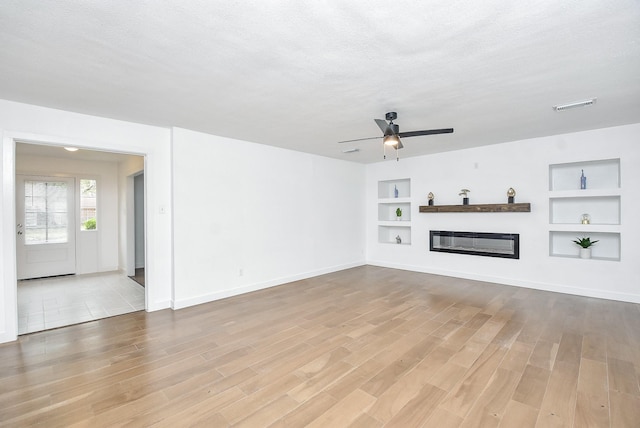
(88,217)
(45,212)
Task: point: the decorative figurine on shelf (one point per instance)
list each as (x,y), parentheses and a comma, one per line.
(430,197)
(398,214)
(465,198)
(395,191)
(583,180)
(398,240)
(586,218)
(511,195)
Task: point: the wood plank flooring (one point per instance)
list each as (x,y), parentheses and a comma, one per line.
(364,347)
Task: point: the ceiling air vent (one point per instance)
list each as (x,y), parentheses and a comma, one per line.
(574,105)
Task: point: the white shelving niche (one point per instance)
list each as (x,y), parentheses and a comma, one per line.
(600,200)
(389,226)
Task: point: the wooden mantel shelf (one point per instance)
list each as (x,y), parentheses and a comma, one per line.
(478,208)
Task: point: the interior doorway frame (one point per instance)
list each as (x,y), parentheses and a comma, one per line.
(131,224)
(8,252)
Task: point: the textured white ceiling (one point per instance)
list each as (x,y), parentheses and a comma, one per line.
(306,74)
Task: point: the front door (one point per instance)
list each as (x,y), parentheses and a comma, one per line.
(45,217)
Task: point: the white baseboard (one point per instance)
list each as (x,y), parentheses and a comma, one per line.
(158,306)
(210,297)
(558,288)
(7,337)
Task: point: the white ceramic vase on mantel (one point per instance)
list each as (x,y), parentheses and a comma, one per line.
(585,253)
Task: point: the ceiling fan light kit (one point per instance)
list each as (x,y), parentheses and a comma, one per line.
(391,140)
(391,133)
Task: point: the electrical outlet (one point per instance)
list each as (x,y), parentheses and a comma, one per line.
(241,272)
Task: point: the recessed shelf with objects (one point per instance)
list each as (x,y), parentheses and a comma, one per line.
(600,174)
(394,194)
(585,201)
(388,234)
(569,210)
(607,248)
(387,211)
(387,189)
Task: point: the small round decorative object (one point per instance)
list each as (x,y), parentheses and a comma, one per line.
(511,192)
(430,196)
(586,218)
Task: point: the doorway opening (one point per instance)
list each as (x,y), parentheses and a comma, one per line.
(73,205)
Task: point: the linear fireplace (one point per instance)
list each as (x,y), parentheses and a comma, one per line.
(505,245)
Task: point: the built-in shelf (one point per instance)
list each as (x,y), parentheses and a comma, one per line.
(387,189)
(477,208)
(601,200)
(388,234)
(387,211)
(394,194)
(607,248)
(569,210)
(600,175)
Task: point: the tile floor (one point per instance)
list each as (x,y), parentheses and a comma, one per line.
(54,302)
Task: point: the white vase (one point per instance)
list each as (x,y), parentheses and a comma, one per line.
(585,253)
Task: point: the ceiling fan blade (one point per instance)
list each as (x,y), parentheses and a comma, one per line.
(425,132)
(358,139)
(384,126)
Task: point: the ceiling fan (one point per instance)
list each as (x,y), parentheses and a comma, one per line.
(391,133)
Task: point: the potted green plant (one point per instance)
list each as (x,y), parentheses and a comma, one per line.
(398,213)
(585,246)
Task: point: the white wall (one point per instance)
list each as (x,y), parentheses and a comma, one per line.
(38,124)
(96,250)
(489,171)
(249,216)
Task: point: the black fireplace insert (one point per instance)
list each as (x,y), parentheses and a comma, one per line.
(505,245)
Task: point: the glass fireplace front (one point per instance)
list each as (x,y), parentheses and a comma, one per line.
(505,245)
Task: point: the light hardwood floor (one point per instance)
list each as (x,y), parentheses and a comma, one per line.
(365,347)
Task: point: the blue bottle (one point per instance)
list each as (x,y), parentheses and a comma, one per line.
(583,180)
(395,191)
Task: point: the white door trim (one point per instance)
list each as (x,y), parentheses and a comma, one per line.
(9,325)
